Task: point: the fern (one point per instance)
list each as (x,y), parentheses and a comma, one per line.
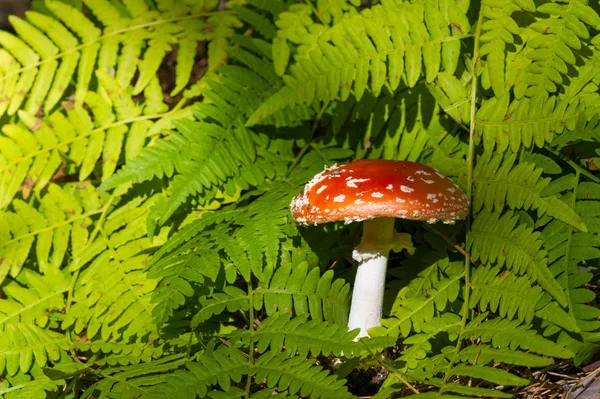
(504,293)
(567,249)
(357,51)
(551,52)
(62,215)
(499,183)
(22,344)
(225,156)
(116,41)
(184,274)
(123,297)
(515,246)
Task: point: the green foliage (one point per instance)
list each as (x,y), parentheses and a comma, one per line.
(149,151)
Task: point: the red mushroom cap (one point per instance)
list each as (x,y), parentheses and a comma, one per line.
(367,189)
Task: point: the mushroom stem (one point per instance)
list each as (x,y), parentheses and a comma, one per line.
(372,257)
(379,237)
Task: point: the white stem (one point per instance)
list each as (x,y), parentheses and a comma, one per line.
(372,256)
(367,296)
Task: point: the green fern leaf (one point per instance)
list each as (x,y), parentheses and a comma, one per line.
(60,216)
(380,46)
(22,344)
(33,385)
(114,292)
(426,296)
(115,40)
(501,240)
(484,354)
(298,375)
(503,293)
(32,298)
(135,381)
(552,51)
(496,376)
(498,182)
(503,333)
(567,249)
(297,335)
(497,31)
(302,289)
(222,366)
(419,345)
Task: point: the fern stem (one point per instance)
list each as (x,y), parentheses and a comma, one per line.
(90,240)
(58,146)
(470,165)
(314,9)
(574,165)
(390,367)
(251,333)
(297,160)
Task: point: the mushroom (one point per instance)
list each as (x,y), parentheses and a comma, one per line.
(377,191)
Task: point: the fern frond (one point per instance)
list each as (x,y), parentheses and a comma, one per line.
(503,333)
(113,294)
(204,157)
(501,240)
(21,344)
(504,124)
(33,297)
(110,353)
(426,296)
(484,354)
(298,335)
(419,345)
(60,224)
(135,381)
(504,293)
(33,385)
(378,46)
(497,32)
(566,250)
(69,44)
(496,376)
(303,290)
(499,183)
(298,375)
(206,248)
(552,52)
(34,151)
(222,366)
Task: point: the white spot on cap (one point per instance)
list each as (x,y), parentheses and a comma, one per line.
(359,201)
(452,190)
(327,211)
(433,198)
(400,200)
(352,182)
(427,181)
(407,189)
(410,178)
(390,187)
(440,175)
(422,172)
(416,213)
(339,198)
(320,190)
(377,195)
